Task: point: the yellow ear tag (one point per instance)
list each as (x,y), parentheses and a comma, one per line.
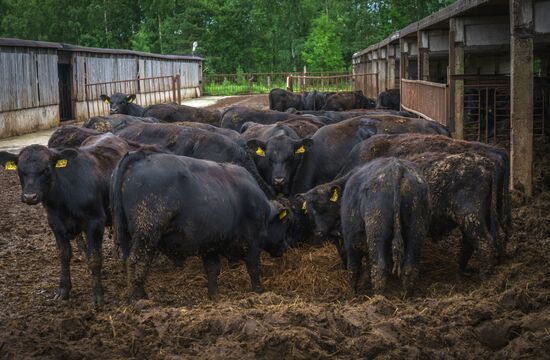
(301,150)
(334,197)
(304,206)
(106,101)
(282,215)
(260,152)
(61,163)
(130,101)
(10,165)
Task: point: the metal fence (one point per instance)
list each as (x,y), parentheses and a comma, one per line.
(252,83)
(151,90)
(426,99)
(334,83)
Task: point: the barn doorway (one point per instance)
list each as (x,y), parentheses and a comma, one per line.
(65,91)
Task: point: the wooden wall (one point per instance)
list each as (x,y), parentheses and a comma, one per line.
(29,85)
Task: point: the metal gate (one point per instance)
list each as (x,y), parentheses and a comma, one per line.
(149,91)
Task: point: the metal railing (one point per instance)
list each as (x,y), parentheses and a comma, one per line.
(334,83)
(251,83)
(426,99)
(151,90)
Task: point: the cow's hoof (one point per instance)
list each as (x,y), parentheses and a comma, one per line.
(98,301)
(62,294)
(214,296)
(258,289)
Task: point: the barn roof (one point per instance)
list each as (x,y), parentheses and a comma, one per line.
(8,42)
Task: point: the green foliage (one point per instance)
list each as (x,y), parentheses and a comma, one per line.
(323,47)
(255,35)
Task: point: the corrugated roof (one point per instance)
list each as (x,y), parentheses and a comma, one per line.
(76,48)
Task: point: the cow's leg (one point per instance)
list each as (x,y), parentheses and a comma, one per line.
(355,262)
(377,232)
(212,267)
(94,234)
(252,262)
(139,261)
(416,232)
(476,237)
(65,253)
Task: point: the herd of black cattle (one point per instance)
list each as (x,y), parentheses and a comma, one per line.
(187,182)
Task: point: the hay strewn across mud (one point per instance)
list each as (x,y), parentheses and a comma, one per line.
(308,311)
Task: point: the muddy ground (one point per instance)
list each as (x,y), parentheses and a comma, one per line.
(307,311)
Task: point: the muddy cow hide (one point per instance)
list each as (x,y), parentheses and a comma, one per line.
(389,99)
(348,101)
(175,112)
(70,136)
(409,144)
(165,202)
(232,134)
(120,103)
(465,191)
(331,117)
(73,187)
(278,151)
(303,126)
(197,143)
(234,117)
(280,100)
(392,124)
(115,123)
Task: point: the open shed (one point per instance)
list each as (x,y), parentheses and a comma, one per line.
(44,83)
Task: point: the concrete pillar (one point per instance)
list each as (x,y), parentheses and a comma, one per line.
(404,61)
(521,96)
(423,56)
(390,53)
(456,64)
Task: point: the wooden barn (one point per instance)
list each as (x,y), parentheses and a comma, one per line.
(44,83)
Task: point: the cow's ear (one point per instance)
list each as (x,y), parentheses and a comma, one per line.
(247,125)
(105,98)
(302,202)
(335,193)
(8,160)
(61,158)
(131,98)
(257,146)
(302,146)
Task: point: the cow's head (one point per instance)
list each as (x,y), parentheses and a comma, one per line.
(280,221)
(278,158)
(36,166)
(118,103)
(322,205)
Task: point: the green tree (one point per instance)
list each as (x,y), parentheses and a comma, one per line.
(323,47)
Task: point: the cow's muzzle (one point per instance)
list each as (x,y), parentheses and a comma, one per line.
(30,198)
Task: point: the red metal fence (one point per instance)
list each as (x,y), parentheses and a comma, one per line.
(426,99)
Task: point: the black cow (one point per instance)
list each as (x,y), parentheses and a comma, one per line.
(197,143)
(315,100)
(331,117)
(167,202)
(232,134)
(70,136)
(468,188)
(278,150)
(115,123)
(408,144)
(389,99)
(280,100)
(234,117)
(303,126)
(73,186)
(391,124)
(176,112)
(348,101)
(123,104)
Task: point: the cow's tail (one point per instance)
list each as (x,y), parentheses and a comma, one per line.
(120,227)
(397,244)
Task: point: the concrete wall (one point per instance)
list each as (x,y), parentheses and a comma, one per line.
(24,121)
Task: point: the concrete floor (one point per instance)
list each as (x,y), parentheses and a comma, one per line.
(16,143)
